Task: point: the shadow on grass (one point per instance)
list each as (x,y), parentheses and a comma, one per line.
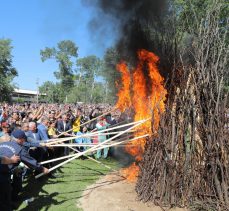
(45,198)
(43,202)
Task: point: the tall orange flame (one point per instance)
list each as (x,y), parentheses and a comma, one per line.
(124,100)
(147,99)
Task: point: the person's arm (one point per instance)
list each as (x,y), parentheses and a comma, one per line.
(31,162)
(31,143)
(6,160)
(39,113)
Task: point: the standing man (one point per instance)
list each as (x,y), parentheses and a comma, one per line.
(43,128)
(63,127)
(34,138)
(9,149)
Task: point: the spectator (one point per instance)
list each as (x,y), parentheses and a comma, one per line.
(82,140)
(43,129)
(101,125)
(76,121)
(15,122)
(64,127)
(52,132)
(5,134)
(34,139)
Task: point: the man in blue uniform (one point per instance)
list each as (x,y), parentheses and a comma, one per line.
(9,149)
(6,160)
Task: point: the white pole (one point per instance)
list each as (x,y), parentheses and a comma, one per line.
(93,148)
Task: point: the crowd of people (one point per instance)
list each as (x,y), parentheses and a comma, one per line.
(25,130)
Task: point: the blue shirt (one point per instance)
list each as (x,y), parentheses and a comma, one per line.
(10,148)
(43,132)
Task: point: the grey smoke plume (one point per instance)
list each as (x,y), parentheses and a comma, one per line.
(135,21)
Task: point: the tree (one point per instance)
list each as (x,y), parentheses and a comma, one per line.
(7,71)
(89,68)
(110,74)
(54,92)
(64,53)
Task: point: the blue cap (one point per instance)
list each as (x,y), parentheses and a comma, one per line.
(19,134)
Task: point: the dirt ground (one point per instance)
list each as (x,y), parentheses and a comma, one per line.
(113,192)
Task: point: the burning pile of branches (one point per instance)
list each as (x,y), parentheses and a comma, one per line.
(187,163)
(142,90)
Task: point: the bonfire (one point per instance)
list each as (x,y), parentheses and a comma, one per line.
(143,91)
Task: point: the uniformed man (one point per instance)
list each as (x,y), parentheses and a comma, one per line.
(6,160)
(9,149)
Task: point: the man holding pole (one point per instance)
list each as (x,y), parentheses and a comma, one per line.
(9,149)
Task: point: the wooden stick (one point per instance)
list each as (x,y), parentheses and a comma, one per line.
(125,141)
(74,157)
(69,156)
(87,122)
(56,159)
(98,117)
(93,148)
(78,145)
(53,141)
(96,132)
(92,158)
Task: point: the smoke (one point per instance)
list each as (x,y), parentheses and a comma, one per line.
(133,22)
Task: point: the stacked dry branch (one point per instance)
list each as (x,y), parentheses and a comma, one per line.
(187,164)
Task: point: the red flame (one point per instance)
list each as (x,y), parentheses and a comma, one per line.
(147,99)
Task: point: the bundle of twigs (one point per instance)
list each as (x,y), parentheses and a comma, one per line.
(187,163)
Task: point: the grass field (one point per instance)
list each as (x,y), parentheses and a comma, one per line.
(63,192)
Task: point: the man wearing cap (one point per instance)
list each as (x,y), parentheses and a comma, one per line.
(9,149)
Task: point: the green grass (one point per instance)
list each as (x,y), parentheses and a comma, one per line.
(63,192)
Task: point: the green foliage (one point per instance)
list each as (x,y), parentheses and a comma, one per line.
(110,74)
(54,92)
(81,85)
(191,13)
(64,53)
(7,71)
(88,70)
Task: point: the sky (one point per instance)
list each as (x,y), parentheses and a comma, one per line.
(33,25)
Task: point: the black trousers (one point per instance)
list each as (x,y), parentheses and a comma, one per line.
(5,196)
(66,149)
(16,185)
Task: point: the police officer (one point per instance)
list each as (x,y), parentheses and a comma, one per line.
(9,149)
